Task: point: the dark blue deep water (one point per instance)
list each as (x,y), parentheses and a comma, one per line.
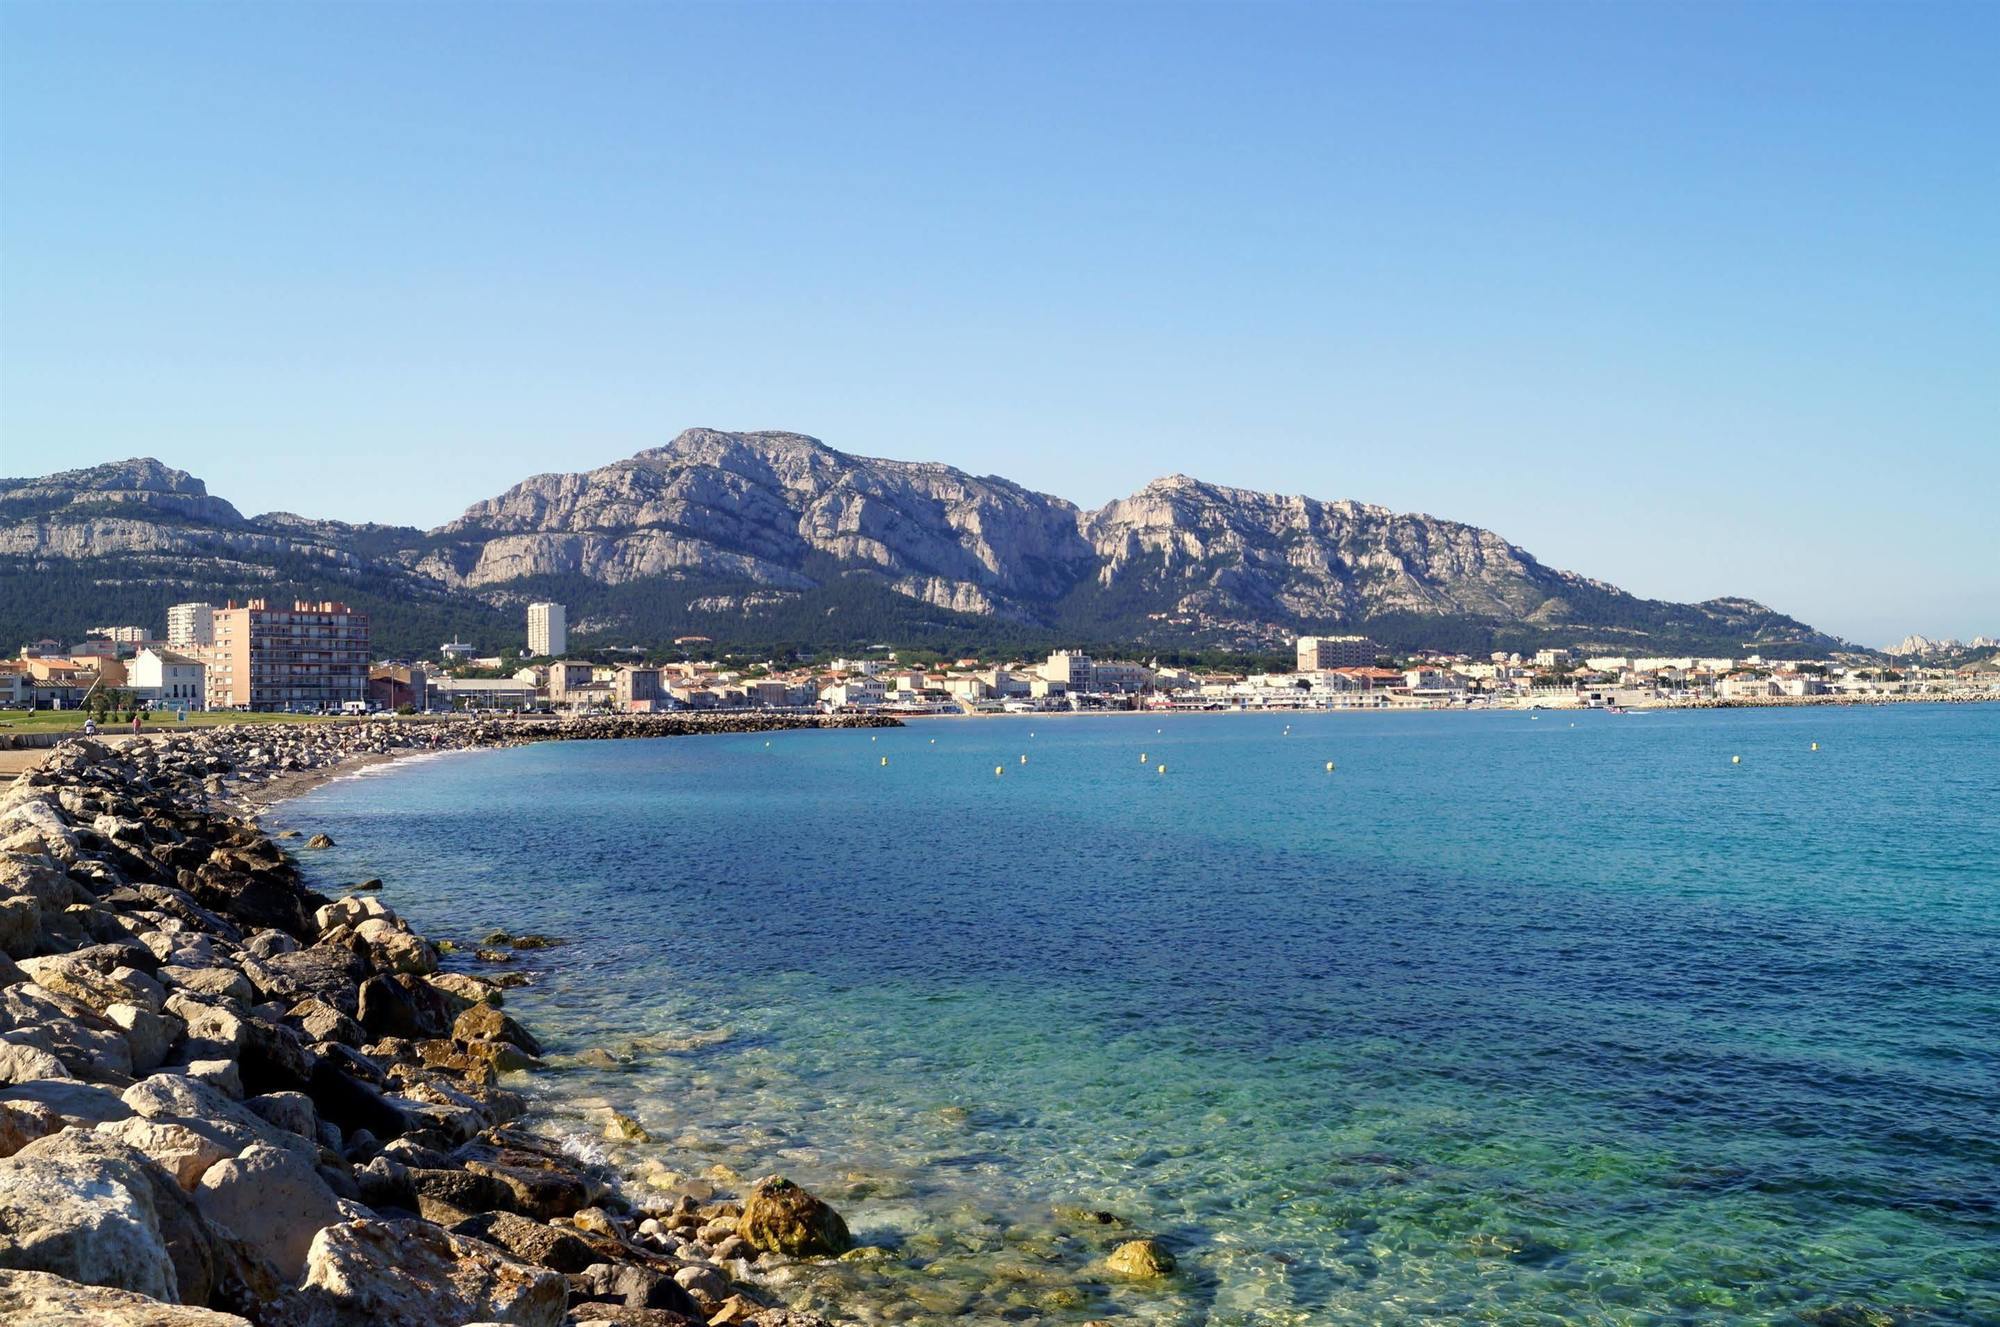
(1505,1020)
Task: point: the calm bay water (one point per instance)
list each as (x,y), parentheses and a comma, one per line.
(1506,1020)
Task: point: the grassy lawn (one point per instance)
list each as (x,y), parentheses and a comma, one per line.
(71,721)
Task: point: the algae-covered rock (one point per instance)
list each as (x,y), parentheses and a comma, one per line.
(780,1217)
(1141,1259)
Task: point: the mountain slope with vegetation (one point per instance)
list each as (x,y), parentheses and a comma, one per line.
(762,539)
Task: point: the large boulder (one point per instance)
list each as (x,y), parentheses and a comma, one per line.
(217,983)
(273,1200)
(72,1103)
(77,979)
(20,925)
(89,1044)
(320,1021)
(273,1058)
(780,1217)
(148,1035)
(34,877)
(41,1299)
(23,1062)
(175,1148)
(483,1022)
(90,1219)
(36,827)
(415,1274)
(393,948)
(531,1241)
(22,1122)
(343,1098)
(213,1029)
(264,899)
(193,1104)
(635,1287)
(321,972)
(201,1261)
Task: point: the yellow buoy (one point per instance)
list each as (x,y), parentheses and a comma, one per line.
(1329,767)
(1024,758)
(1736,760)
(999,769)
(885,760)
(1815,746)
(1163,769)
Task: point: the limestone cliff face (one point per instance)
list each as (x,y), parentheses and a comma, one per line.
(717,528)
(139,507)
(758,506)
(1226,549)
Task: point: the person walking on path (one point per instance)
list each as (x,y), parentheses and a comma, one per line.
(138,723)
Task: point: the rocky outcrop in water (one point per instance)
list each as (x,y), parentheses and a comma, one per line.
(226,1099)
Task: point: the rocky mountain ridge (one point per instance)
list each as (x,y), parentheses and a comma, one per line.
(767,536)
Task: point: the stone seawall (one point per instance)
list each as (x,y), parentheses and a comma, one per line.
(226,1099)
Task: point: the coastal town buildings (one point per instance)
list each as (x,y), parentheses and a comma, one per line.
(122,635)
(451,694)
(1317,654)
(635,688)
(310,656)
(548,630)
(191,625)
(399,686)
(315,657)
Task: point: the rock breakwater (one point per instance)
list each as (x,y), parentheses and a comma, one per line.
(225,1098)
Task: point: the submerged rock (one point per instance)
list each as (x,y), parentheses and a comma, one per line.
(1141,1259)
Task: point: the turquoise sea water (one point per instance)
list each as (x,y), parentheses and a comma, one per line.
(1506,1020)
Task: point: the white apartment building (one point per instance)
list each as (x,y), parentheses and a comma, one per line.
(548,630)
(854,691)
(168,680)
(191,626)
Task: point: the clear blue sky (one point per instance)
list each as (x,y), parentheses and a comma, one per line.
(1701,299)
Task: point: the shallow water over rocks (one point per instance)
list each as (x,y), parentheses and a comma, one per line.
(1503,1021)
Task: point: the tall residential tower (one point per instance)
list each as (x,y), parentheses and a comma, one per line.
(548,631)
(191,625)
